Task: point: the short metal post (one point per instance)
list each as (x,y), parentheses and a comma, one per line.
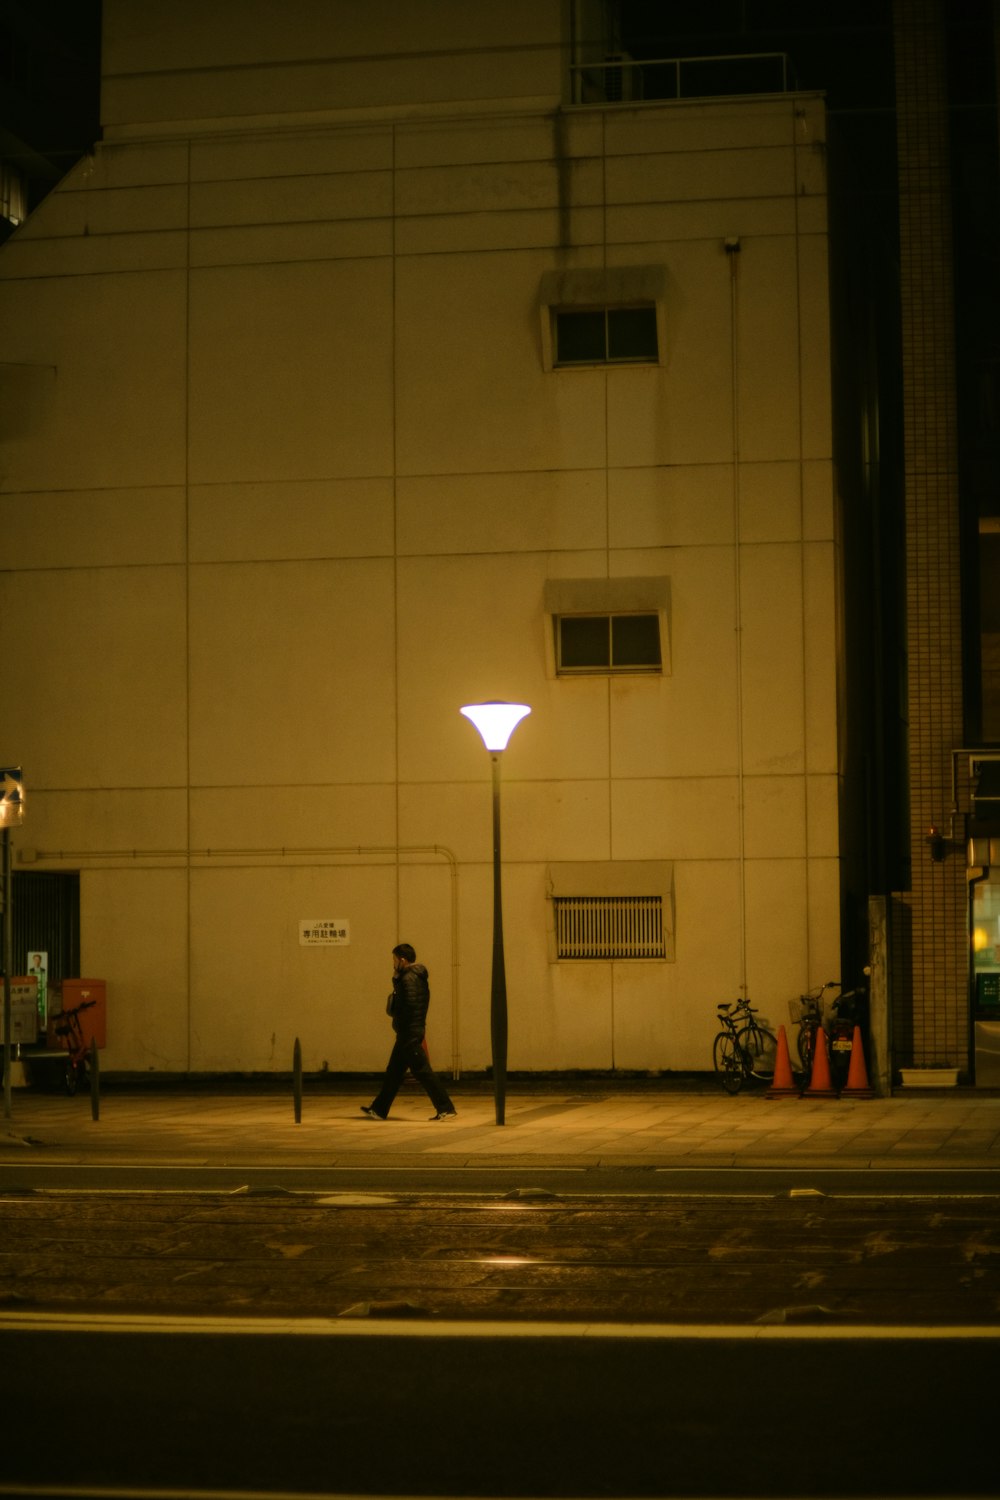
(95,1081)
(297,1080)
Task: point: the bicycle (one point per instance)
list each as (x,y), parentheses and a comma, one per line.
(68,1027)
(807,1012)
(743,1049)
(837,1019)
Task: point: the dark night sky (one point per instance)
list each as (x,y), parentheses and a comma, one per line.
(50,70)
(843,47)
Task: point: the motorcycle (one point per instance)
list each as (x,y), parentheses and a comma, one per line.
(847,1011)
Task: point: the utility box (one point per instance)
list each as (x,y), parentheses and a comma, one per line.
(93,1020)
(23,1011)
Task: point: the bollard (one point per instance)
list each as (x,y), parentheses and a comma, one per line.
(95,1082)
(297,1080)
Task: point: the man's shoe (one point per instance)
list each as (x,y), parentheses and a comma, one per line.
(445,1114)
(371,1112)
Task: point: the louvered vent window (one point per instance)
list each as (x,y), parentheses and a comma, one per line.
(609,927)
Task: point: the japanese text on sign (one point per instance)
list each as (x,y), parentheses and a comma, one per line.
(328,933)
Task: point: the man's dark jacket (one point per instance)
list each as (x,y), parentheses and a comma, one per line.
(411,996)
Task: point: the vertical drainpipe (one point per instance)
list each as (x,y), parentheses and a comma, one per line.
(573,52)
(732,249)
(608,696)
(187,602)
(395,529)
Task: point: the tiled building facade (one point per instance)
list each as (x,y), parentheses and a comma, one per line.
(931,998)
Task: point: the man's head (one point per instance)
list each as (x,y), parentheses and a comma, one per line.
(403,954)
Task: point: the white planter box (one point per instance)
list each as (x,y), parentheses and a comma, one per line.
(929,1078)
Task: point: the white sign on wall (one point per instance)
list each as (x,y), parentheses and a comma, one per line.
(328,932)
(23,1011)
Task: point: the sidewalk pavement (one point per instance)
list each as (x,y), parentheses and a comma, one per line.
(948,1129)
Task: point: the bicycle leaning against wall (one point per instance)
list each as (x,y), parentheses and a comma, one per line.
(70,1033)
(809,1014)
(743,1049)
(835,1015)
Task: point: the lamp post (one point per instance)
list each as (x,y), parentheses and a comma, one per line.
(496,723)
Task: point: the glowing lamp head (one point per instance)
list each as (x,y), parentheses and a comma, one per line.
(496,722)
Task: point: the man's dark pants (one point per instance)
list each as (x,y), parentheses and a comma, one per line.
(409,1056)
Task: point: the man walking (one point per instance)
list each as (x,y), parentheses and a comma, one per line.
(408,1004)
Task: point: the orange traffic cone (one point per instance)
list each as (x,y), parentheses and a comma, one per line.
(820,1084)
(857,1074)
(782,1085)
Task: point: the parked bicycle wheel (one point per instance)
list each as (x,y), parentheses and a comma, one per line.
(728,1062)
(760,1048)
(77,1073)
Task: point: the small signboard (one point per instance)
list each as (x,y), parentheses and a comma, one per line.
(23,1011)
(325,932)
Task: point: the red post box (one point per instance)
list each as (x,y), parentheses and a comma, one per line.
(93,1020)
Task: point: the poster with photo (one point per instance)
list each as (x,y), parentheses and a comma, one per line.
(38,968)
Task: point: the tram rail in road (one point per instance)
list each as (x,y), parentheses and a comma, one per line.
(801,1254)
(177,1331)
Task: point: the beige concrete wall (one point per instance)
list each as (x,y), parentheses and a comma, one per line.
(237,59)
(283,478)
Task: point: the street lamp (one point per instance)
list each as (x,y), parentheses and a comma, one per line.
(496,723)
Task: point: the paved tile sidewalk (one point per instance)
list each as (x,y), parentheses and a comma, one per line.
(954,1129)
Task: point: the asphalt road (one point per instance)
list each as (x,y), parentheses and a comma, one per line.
(371,1334)
(356,1410)
(794,1255)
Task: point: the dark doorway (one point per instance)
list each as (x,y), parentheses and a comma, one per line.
(47,920)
